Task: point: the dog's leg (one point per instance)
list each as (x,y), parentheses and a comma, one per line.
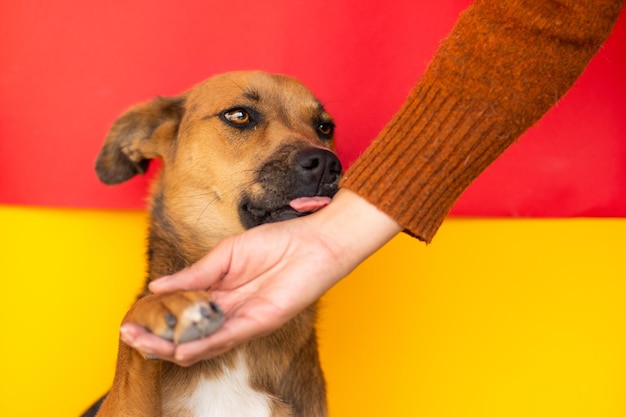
(304,386)
(180,316)
(136,388)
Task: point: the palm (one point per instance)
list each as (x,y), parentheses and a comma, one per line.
(267,275)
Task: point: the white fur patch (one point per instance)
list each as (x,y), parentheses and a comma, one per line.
(229,395)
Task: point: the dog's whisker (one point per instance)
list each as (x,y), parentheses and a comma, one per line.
(186,196)
(204,209)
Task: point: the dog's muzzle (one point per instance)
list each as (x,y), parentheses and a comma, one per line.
(293,187)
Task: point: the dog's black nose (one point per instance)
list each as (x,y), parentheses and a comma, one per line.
(318,166)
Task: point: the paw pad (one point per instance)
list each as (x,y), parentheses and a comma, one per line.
(198,321)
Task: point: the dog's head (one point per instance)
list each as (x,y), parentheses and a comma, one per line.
(238,150)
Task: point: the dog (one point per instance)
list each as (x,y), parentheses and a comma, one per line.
(238,150)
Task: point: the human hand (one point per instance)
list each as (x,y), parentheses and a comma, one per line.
(268,274)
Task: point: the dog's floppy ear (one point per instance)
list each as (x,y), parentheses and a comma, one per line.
(139,135)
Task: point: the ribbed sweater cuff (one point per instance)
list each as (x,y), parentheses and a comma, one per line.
(502,67)
(433,159)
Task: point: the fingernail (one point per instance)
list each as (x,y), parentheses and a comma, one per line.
(127,337)
(158,282)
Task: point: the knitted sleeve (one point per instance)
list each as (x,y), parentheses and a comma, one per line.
(503,66)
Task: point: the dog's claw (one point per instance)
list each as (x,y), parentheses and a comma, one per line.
(170,319)
(203,319)
(215,308)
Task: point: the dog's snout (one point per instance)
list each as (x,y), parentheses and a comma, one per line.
(318,165)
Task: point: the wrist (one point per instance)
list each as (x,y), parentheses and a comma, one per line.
(354,228)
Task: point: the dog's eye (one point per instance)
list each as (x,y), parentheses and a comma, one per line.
(238,118)
(325,130)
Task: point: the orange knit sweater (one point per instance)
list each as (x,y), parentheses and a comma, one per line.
(503,66)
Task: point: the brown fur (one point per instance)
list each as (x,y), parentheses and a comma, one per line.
(218,179)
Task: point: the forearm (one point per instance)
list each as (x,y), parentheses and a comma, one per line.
(500,70)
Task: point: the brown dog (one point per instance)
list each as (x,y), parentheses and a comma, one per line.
(238,150)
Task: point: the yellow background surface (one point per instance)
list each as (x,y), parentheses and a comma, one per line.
(495,318)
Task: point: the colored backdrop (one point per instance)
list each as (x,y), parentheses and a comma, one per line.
(68,68)
(498,317)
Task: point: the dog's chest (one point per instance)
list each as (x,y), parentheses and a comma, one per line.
(230,394)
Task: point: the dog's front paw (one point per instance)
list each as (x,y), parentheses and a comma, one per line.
(180,316)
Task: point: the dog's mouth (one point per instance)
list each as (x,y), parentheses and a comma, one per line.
(295,183)
(308,205)
(253,215)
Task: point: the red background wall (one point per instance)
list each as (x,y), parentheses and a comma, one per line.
(68,68)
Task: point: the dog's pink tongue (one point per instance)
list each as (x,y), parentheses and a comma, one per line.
(309,204)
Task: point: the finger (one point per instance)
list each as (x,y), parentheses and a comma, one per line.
(145,342)
(200,275)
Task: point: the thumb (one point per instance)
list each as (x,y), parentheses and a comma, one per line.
(199,276)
